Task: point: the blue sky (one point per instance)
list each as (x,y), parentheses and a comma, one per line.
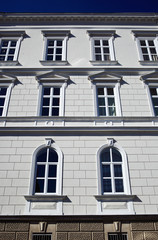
(79,6)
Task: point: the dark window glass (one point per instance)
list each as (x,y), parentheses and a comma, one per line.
(11,51)
(53,156)
(59,51)
(107,185)
(97,50)
(151,43)
(45,111)
(51,43)
(118,170)
(50,50)
(51,186)
(56,101)
(111,101)
(146,57)
(46,91)
(56,91)
(116,156)
(144,50)
(46,101)
(3,51)
(110,91)
(49,58)
(52,171)
(153,91)
(142,43)
(155,101)
(55,111)
(102,111)
(2,100)
(41,237)
(59,43)
(58,57)
(97,42)
(112,111)
(13,43)
(105,43)
(2,58)
(41,156)
(106,50)
(5,43)
(100,91)
(101,101)
(106,171)
(98,57)
(156,111)
(39,186)
(10,58)
(1,111)
(40,171)
(153,50)
(105,155)
(119,185)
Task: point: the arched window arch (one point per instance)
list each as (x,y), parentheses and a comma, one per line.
(47,170)
(113,170)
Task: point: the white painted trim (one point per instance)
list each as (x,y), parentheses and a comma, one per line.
(147,86)
(7,98)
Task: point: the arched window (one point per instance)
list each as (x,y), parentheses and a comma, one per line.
(112,176)
(46,171)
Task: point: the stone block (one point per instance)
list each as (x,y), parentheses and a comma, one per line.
(142,226)
(94,227)
(79,236)
(2,225)
(61,236)
(151,235)
(7,236)
(98,236)
(18,226)
(137,236)
(70,227)
(22,236)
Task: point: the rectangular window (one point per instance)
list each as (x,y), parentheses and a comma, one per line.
(55,50)
(117,236)
(106,101)
(51,101)
(8,50)
(3,94)
(148,50)
(101,50)
(154,97)
(41,236)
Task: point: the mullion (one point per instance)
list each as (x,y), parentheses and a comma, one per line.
(112,171)
(55,46)
(46,173)
(7,52)
(102,52)
(106,101)
(148,49)
(51,101)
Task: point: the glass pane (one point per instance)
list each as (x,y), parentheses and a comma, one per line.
(105,155)
(42,155)
(39,186)
(3,51)
(102,111)
(3,91)
(59,43)
(40,171)
(101,101)
(106,171)
(151,43)
(106,57)
(97,50)
(153,50)
(110,91)
(49,58)
(153,91)
(156,111)
(118,170)
(116,156)
(105,43)
(11,51)
(1,111)
(2,58)
(144,50)
(58,58)
(98,57)
(59,51)
(2,100)
(100,91)
(107,185)
(106,50)
(53,156)
(46,101)
(46,91)
(55,111)
(146,57)
(56,101)
(155,101)
(51,186)
(97,42)
(119,185)
(10,58)
(50,50)
(56,91)
(45,111)
(5,43)
(52,171)
(142,43)
(51,43)
(111,102)
(112,111)
(13,43)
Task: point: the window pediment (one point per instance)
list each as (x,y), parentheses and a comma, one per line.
(7,78)
(52,77)
(105,76)
(153,76)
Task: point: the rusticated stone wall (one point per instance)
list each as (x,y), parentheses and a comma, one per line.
(14,231)
(144,231)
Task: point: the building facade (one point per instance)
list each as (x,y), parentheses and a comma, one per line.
(78,126)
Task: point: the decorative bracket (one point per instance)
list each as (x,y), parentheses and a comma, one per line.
(49,141)
(43,226)
(117,226)
(110,142)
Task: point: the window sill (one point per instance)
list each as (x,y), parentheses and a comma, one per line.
(46,198)
(104,63)
(148,63)
(54,63)
(116,198)
(9,63)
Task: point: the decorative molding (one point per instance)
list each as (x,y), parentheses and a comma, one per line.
(110,142)
(58,33)
(144,33)
(53,63)
(116,198)
(9,63)
(52,77)
(100,33)
(43,226)
(49,142)
(103,63)
(105,76)
(12,33)
(46,198)
(117,226)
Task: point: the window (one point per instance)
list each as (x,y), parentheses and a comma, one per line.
(5,92)
(41,236)
(106,101)
(111,171)
(154,97)
(51,101)
(117,236)
(8,50)
(46,171)
(148,49)
(55,47)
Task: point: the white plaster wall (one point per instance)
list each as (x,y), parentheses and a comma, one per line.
(79,171)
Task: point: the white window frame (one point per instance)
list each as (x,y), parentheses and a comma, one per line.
(17,48)
(111,48)
(7,98)
(62,87)
(148,86)
(154,39)
(116,87)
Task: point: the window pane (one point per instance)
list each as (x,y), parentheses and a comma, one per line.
(13,43)
(153,50)
(11,51)
(106,50)
(119,185)
(1,111)
(50,50)
(2,100)
(2,58)
(56,101)
(105,43)
(40,170)
(106,57)
(59,43)
(46,91)
(42,155)
(105,155)
(112,111)
(98,57)
(56,91)
(118,170)
(45,111)
(46,101)
(146,57)
(142,43)
(100,91)
(101,101)
(55,111)
(5,43)
(51,186)
(107,185)
(97,50)
(102,111)
(39,186)
(52,171)
(153,91)
(106,171)
(111,102)
(10,58)
(59,51)
(151,43)
(144,50)
(155,101)
(49,58)
(53,156)
(97,42)
(3,51)
(116,156)
(110,91)
(58,58)
(51,43)
(156,111)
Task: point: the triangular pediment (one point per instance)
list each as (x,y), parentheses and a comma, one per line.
(52,76)
(152,76)
(105,76)
(5,77)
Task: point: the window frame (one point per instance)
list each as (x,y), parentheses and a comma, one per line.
(7,97)
(116,87)
(148,86)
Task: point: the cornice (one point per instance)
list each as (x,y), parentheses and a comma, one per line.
(149,18)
